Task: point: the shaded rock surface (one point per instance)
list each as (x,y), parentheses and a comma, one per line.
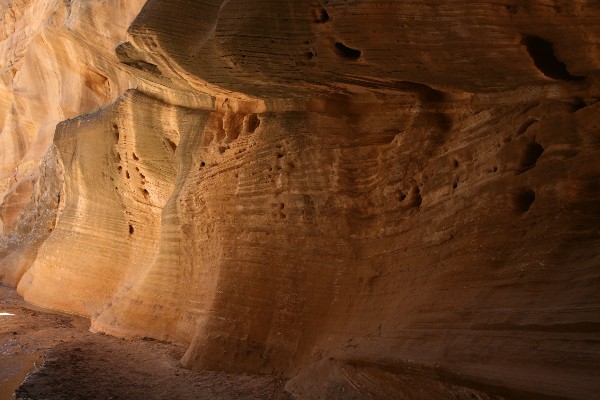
(341,193)
(65,361)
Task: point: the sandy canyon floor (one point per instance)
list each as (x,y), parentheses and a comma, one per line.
(46,355)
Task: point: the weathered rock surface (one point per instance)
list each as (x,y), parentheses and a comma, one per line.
(371,198)
(58,61)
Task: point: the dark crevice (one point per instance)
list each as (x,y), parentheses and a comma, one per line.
(144,66)
(416,200)
(578,104)
(525,126)
(172,144)
(523,199)
(542,53)
(411,198)
(128,55)
(529,156)
(442,121)
(346,52)
(320,16)
(115,130)
(253,123)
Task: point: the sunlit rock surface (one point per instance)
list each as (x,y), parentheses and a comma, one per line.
(58,62)
(371,198)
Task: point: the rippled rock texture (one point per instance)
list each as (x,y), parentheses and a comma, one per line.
(370,198)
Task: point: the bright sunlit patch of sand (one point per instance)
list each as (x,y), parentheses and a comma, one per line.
(5,314)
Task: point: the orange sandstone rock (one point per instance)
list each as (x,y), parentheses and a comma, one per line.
(58,62)
(371,198)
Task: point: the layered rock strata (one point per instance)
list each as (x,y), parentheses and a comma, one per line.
(369,198)
(58,62)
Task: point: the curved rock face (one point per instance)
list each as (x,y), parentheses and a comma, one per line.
(370,198)
(58,62)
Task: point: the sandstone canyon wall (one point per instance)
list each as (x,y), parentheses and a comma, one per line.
(375,199)
(58,62)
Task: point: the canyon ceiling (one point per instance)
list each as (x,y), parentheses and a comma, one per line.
(395,199)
